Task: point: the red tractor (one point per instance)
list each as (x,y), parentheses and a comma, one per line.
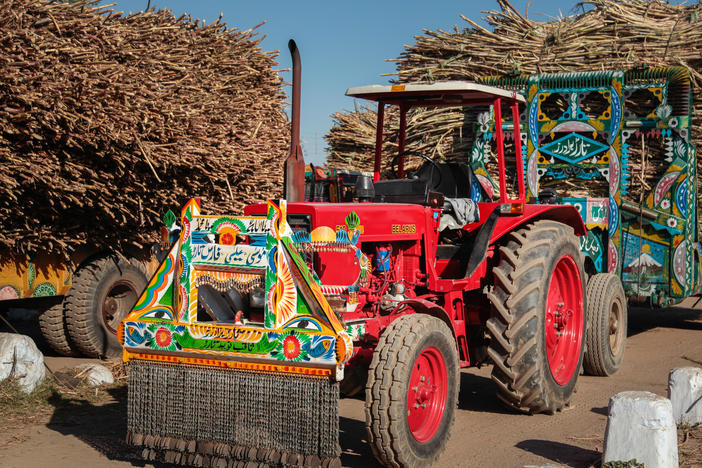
(396,291)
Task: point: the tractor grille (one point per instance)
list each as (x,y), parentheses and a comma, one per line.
(220,417)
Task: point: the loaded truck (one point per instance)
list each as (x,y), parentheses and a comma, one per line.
(616,145)
(254,324)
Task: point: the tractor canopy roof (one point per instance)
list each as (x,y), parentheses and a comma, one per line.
(443,93)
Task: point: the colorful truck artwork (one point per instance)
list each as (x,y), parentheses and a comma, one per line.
(621,139)
(192,313)
(43,277)
(251,255)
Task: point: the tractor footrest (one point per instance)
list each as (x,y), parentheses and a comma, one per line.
(212,417)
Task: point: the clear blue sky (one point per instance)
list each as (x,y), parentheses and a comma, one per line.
(342,44)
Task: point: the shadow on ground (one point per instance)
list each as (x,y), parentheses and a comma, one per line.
(603,410)
(478,393)
(101,426)
(566,454)
(682,317)
(355,451)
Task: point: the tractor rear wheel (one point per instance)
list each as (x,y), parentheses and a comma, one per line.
(412,391)
(103,292)
(607,322)
(537,325)
(52,324)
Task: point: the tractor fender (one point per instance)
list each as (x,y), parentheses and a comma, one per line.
(566,214)
(422,306)
(498,225)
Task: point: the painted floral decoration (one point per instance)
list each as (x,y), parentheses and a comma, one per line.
(159,337)
(163,338)
(291,347)
(226,239)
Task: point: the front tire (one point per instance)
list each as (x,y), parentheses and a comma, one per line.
(103,292)
(607,322)
(537,326)
(412,392)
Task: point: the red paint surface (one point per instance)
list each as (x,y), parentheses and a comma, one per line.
(564,320)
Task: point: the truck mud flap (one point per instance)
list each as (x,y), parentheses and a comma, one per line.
(203,416)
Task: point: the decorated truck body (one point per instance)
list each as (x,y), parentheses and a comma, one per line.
(621,140)
(239,347)
(616,145)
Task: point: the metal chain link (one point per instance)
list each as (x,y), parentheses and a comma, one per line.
(242,415)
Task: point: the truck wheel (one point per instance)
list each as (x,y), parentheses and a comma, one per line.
(103,292)
(537,325)
(52,324)
(607,321)
(412,391)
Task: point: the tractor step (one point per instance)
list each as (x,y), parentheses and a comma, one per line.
(204,416)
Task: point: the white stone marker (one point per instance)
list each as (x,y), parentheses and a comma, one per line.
(640,425)
(21,359)
(95,374)
(685,393)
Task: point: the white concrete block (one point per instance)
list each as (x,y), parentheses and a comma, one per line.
(685,393)
(21,359)
(640,425)
(95,374)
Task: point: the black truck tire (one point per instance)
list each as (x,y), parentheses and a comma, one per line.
(607,322)
(537,326)
(103,292)
(409,417)
(52,324)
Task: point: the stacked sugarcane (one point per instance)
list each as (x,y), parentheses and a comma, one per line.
(442,134)
(607,34)
(109,120)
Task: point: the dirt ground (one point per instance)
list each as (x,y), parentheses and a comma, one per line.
(77,432)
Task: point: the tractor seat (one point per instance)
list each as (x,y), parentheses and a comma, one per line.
(456,181)
(401,191)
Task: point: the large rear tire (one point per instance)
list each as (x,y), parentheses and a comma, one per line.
(103,292)
(607,322)
(412,392)
(537,325)
(52,324)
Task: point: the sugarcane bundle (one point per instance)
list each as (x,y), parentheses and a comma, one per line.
(108,120)
(608,34)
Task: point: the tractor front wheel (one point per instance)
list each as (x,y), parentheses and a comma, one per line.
(607,321)
(537,325)
(412,391)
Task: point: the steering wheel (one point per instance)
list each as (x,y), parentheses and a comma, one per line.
(394,161)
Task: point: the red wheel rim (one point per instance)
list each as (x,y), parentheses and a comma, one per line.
(426,395)
(564,320)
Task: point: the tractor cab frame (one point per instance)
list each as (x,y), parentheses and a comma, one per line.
(442,94)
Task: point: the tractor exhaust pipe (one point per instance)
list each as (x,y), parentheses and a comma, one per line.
(294,167)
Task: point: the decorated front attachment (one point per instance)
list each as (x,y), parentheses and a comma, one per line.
(236,292)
